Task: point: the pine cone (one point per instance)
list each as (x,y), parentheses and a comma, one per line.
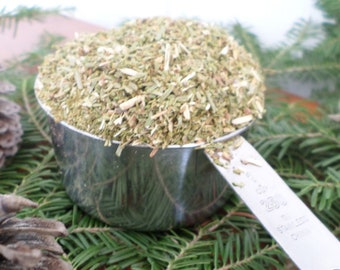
(28,243)
(10,126)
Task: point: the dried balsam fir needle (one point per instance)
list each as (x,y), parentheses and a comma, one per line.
(155,81)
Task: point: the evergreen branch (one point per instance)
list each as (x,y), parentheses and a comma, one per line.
(204,236)
(184,250)
(32,116)
(301,32)
(323,193)
(294,135)
(214,226)
(292,175)
(34,171)
(330,8)
(8,18)
(330,48)
(248,40)
(248,260)
(301,69)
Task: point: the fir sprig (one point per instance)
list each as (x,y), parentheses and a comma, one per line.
(9,19)
(310,52)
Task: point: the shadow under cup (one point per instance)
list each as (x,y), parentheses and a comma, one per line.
(177,187)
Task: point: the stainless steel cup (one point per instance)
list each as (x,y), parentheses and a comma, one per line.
(178,186)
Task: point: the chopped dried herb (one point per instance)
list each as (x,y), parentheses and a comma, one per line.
(156,81)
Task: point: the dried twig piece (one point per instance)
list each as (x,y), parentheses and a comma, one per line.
(251,161)
(130,103)
(242,120)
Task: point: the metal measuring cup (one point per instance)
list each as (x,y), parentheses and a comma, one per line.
(183,185)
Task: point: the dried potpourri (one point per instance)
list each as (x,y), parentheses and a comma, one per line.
(155,81)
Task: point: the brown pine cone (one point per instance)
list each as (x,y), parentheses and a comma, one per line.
(10,126)
(28,243)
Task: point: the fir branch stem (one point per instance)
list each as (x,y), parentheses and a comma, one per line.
(290,135)
(293,175)
(301,32)
(226,217)
(325,185)
(301,69)
(309,164)
(244,214)
(300,135)
(31,114)
(204,231)
(21,13)
(187,247)
(47,158)
(248,260)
